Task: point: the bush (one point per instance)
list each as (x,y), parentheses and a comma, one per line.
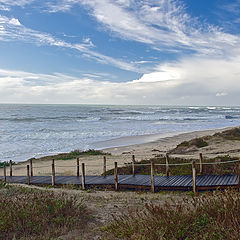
(34,214)
(211,216)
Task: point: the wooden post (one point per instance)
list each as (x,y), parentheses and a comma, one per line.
(78,167)
(167,165)
(10,164)
(239,175)
(152,177)
(28,175)
(104,166)
(4,173)
(194,177)
(31,167)
(83,177)
(200,161)
(133,165)
(116,176)
(53,173)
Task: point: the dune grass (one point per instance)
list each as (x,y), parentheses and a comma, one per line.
(219,169)
(37,214)
(210,216)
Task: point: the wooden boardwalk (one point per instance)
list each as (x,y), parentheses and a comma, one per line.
(203,182)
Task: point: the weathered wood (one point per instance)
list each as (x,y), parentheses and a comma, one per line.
(200,162)
(115,176)
(194,177)
(10,166)
(152,177)
(4,173)
(53,172)
(239,175)
(83,177)
(28,175)
(167,165)
(104,166)
(31,167)
(133,165)
(78,168)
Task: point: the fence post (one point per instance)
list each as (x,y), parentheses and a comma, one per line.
(133,165)
(4,173)
(53,173)
(239,175)
(10,165)
(116,176)
(78,167)
(104,166)
(31,167)
(194,177)
(200,161)
(167,165)
(83,177)
(152,177)
(28,175)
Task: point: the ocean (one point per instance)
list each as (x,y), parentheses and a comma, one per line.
(36,130)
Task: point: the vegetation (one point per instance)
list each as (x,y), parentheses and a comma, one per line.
(219,169)
(232,134)
(35,214)
(210,216)
(6,164)
(73,154)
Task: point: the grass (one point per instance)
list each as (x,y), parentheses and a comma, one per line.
(74,154)
(232,134)
(210,216)
(218,169)
(37,214)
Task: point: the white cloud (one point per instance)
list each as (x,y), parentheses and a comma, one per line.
(193,81)
(163,24)
(13,30)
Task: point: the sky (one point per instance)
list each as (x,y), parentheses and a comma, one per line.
(155,52)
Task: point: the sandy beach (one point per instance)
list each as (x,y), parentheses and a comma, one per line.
(122,155)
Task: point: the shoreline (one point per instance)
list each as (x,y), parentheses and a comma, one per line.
(122,155)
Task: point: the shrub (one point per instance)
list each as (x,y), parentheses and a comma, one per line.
(34,214)
(210,216)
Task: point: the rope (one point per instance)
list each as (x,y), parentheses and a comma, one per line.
(231,161)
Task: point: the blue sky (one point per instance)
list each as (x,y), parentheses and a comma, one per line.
(120,52)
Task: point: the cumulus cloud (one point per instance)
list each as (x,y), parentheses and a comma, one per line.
(198,85)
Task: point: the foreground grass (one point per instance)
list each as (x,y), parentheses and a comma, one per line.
(37,214)
(210,216)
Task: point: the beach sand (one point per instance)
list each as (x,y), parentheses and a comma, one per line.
(122,155)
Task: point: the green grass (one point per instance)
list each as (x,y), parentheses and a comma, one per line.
(74,154)
(210,216)
(37,214)
(230,168)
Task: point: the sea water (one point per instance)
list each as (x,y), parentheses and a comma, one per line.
(36,130)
